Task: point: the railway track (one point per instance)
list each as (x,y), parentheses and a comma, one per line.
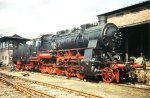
(9,92)
(136,86)
(36,89)
(128,85)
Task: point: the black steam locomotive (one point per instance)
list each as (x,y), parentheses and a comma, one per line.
(89,51)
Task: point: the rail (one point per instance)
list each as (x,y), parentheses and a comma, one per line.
(31,92)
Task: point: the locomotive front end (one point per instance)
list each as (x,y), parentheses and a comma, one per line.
(102,51)
(110,35)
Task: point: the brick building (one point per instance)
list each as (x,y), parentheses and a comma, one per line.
(134,23)
(7,45)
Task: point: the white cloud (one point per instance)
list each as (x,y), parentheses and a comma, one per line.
(30,18)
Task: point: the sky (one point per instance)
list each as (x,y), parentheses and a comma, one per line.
(31,18)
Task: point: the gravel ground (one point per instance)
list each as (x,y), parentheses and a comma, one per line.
(49,90)
(102,89)
(9,92)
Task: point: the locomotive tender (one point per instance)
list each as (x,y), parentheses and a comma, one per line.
(93,51)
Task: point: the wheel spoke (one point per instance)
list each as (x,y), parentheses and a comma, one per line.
(50,70)
(42,69)
(68,73)
(80,76)
(107,75)
(58,71)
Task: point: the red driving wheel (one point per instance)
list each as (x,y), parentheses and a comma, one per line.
(68,72)
(43,69)
(108,75)
(80,75)
(58,71)
(50,70)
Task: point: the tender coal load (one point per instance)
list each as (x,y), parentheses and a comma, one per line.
(24,52)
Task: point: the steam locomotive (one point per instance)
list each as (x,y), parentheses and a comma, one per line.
(90,51)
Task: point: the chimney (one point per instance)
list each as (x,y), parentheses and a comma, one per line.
(102,20)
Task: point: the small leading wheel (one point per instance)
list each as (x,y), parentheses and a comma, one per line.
(58,71)
(18,67)
(80,75)
(50,70)
(108,75)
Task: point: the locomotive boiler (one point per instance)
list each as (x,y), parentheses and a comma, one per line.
(103,35)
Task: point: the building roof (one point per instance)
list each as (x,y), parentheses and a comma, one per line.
(14,37)
(138,5)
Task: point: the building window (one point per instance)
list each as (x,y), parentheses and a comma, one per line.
(6,44)
(2,57)
(11,44)
(3,44)
(5,57)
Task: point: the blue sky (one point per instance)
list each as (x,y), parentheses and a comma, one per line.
(30,18)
